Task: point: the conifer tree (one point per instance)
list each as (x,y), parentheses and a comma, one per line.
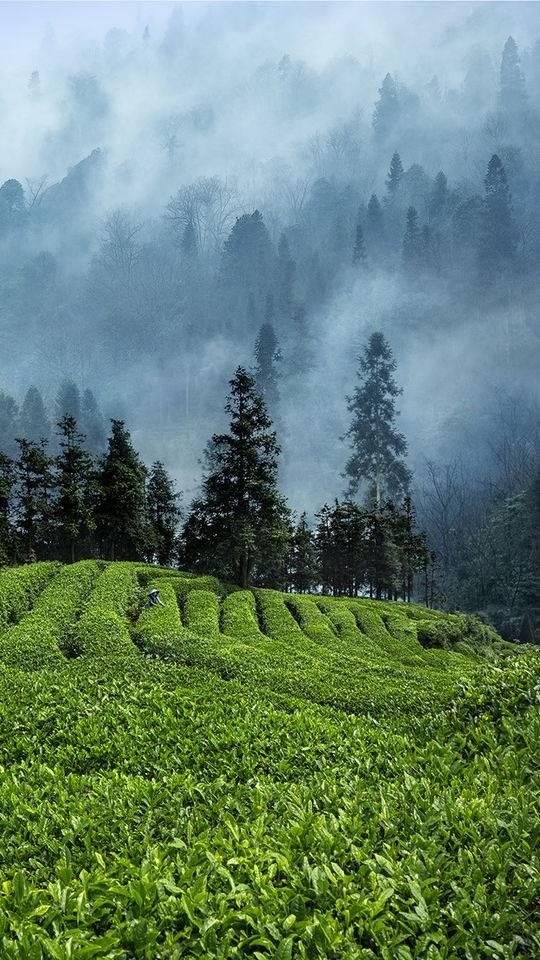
(303,574)
(412,241)
(9,413)
(73,506)
(7,482)
(359,251)
(498,239)
(121,523)
(285,274)
(395,175)
(375,222)
(68,401)
(163,514)
(386,112)
(267,359)
(34,508)
(34,424)
(378,449)
(512,96)
(239,527)
(92,424)
(300,342)
(439,200)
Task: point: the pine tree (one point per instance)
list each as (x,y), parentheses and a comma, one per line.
(240,526)
(33,421)
(395,175)
(300,342)
(375,222)
(73,507)
(7,482)
(9,414)
(121,523)
(68,401)
(383,556)
(378,450)
(498,240)
(386,112)
(439,200)
(163,514)
(267,359)
(359,251)
(92,424)
(303,572)
(34,507)
(412,241)
(512,96)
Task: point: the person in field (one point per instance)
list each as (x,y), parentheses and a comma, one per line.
(153,599)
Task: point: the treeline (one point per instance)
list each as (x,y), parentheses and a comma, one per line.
(33,421)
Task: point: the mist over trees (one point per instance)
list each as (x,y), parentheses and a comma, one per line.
(173,206)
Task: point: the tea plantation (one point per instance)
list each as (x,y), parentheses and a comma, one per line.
(251,774)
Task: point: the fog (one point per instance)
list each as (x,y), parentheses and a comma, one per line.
(111,110)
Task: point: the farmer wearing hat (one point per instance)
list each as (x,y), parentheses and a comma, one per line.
(153,599)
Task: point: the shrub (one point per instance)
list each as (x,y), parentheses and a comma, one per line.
(103,629)
(201,612)
(240,616)
(19,587)
(159,629)
(276,620)
(185,584)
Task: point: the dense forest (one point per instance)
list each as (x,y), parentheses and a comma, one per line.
(162,226)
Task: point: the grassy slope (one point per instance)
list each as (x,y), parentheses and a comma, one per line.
(316,803)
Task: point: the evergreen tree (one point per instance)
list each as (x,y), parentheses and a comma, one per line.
(395,176)
(359,251)
(439,200)
(68,401)
(9,414)
(121,524)
(34,425)
(386,112)
(92,424)
(378,450)
(240,526)
(375,222)
(163,514)
(498,239)
(303,569)
(267,359)
(73,507)
(383,555)
(412,241)
(34,507)
(512,96)
(7,481)
(299,346)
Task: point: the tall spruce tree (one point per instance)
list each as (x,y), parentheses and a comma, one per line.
(267,359)
(68,401)
(512,96)
(121,522)
(7,482)
(9,413)
(412,241)
(303,568)
(92,424)
(163,514)
(73,506)
(239,527)
(395,176)
(386,113)
(359,257)
(33,424)
(34,506)
(499,236)
(378,449)
(375,222)
(285,274)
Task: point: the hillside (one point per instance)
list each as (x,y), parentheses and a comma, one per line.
(258,774)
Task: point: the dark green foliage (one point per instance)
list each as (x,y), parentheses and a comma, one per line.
(240,524)
(526,630)
(9,413)
(34,509)
(7,534)
(121,526)
(163,514)
(74,497)
(378,450)
(68,401)
(303,563)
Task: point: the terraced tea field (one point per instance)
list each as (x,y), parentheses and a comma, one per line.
(257,774)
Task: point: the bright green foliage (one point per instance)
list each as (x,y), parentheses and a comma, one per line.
(19,587)
(103,629)
(35,642)
(239,616)
(201,612)
(187,582)
(159,629)
(309,782)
